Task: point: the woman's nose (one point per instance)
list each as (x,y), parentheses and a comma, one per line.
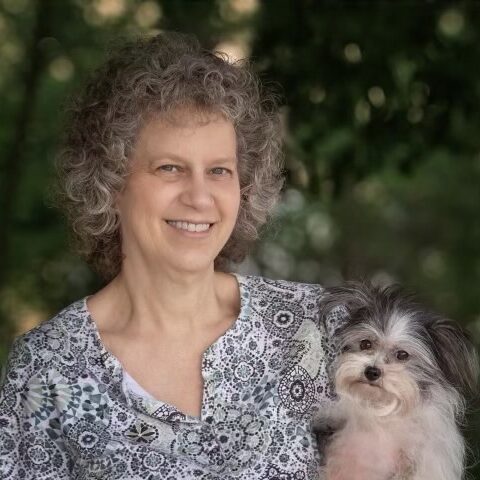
(197,192)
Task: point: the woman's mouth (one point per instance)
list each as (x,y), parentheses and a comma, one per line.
(189,226)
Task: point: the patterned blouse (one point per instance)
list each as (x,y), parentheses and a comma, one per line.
(66,413)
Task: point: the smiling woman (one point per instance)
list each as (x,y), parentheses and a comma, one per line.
(176,368)
(180,202)
(172,79)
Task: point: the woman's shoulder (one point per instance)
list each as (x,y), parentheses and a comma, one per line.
(278,298)
(68,322)
(292,290)
(300,297)
(265,283)
(39,346)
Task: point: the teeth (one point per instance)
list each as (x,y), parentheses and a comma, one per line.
(191,227)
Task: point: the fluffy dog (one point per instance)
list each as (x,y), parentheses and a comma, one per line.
(401,376)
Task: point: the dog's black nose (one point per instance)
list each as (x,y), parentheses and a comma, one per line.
(373,373)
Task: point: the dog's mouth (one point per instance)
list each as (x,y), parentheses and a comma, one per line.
(371,384)
(369,391)
(362,381)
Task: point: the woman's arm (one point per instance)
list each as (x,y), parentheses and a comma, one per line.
(28,449)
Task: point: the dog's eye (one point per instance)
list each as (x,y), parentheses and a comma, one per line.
(346,348)
(365,345)
(402,355)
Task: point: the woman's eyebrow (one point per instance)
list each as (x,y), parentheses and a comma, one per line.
(179,158)
(224,160)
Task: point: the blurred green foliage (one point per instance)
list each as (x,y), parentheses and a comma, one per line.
(381,120)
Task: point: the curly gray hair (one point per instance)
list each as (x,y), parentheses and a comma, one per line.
(146,77)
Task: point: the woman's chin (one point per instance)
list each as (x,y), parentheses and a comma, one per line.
(194,268)
(189,263)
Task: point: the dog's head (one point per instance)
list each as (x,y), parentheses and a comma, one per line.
(395,353)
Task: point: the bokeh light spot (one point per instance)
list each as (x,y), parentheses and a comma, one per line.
(415,115)
(15,6)
(236,48)
(319,229)
(362,112)
(451,22)
(245,7)
(61,69)
(235,10)
(317,94)
(148,14)
(376,95)
(433,264)
(110,8)
(352,53)
(12,52)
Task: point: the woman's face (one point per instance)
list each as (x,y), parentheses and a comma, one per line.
(181,199)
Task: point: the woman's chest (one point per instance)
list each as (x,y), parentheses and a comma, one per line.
(258,395)
(174,379)
(167,367)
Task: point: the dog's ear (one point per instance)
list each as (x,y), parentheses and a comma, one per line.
(340,305)
(455,355)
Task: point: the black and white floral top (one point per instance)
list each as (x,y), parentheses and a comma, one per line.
(65,412)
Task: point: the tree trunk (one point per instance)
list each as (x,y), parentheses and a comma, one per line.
(15,157)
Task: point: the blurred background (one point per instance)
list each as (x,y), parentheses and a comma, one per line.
(382,124)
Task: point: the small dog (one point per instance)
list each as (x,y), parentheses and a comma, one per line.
(401,375)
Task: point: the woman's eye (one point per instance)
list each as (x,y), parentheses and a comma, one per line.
(168,168)
(365,345)
(402,355)
(220,171)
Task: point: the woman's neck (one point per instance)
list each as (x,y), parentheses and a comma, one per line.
(165,303)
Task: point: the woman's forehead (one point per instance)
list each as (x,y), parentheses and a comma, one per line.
(188,116)
(185,134)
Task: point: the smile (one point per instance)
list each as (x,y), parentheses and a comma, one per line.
(189,227)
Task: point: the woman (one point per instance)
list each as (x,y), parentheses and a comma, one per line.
(176,368)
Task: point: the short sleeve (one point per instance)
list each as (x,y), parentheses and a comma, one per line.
(332,316)
(334,319)
(12,412)
(26,450)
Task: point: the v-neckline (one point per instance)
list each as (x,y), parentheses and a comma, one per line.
(150,405)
